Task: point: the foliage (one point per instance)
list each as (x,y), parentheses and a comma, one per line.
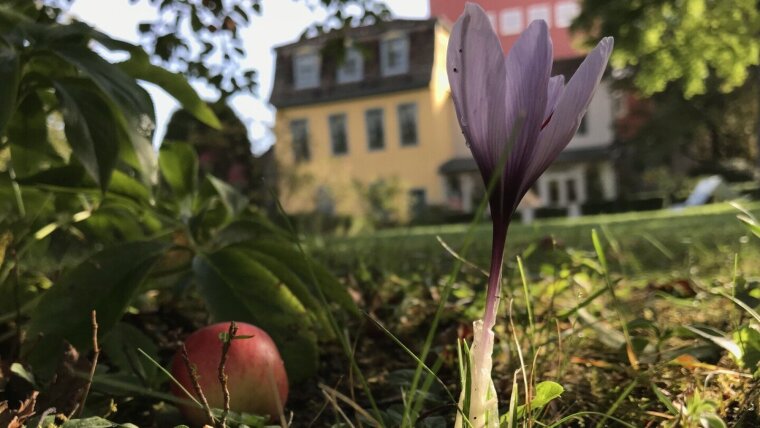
(686,40)
(226,152)
(92,219)
(379,203)
(203,39)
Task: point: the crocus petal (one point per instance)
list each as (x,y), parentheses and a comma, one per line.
(476,70)
(556,88)
(569,111)
(528,67)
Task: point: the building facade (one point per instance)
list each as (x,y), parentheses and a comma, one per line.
(372,104)
(382,112)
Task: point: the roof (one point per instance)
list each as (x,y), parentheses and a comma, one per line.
(467,164)
(367,39)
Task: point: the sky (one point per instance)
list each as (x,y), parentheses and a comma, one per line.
(281,22)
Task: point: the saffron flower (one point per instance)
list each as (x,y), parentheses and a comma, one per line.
(516,120)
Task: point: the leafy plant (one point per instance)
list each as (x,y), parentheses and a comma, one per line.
(94,220)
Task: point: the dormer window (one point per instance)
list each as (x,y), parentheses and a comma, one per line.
(306,70)
(394,55)
(352,68)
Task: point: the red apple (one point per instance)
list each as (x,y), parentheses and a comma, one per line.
(256,377)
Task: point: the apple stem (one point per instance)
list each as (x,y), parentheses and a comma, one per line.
(194,378)
(223,376)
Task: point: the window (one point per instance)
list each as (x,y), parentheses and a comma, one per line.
(511,21)
(407,124)
(306,70)
(540,11)
(572,195)
(338,136)
(553,192)
(324,203)
(583,127)
(299,133)
(394,56)
(375,132)
(352,68)
(417,202)
(565,12)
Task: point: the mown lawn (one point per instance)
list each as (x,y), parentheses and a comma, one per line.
(705,238)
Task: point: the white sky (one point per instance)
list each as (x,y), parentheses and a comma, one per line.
(282,21)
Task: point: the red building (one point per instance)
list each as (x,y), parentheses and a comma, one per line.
(511,17)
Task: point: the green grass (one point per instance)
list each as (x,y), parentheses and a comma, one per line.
(706,236)
(614,340)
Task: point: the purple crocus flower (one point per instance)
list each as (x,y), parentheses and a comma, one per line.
(513,104)
(516,120)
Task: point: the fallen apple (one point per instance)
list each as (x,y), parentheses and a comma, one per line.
(256,378)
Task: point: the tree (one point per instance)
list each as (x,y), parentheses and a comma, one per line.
(693,59)
(691,41)
(226,152)
(213,50)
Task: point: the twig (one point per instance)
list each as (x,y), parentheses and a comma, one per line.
(96,354)
(193,371)
(17,301)
(222,376)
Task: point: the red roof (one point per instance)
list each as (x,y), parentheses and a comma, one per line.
(510,17)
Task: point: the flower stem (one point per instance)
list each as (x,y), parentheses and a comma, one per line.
(494,278)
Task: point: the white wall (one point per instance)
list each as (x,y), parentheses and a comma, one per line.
(599,119)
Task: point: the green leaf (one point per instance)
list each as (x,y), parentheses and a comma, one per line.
(121,345)
(132,107)
(10,75)
(115,83)
(124,185)
(546,391)
(90,129)
(599,250)
(93,422)
(667,402)
(178,164)
(333,290)
(176,85)
(106,282)
(237,287)
(751,224)
(282,270)
(748,340)
(234,201)
(711,420)
(27,133)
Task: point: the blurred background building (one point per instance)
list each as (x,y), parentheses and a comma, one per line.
(366,114)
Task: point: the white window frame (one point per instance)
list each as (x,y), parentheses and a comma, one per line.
(346,76)
(511,21)
(303,79)
(539,11)
(394,41)
(565,12)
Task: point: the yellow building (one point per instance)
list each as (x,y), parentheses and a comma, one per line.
(382,112)
(373,105)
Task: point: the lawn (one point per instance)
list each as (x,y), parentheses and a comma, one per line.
(704,238)
(641,336)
